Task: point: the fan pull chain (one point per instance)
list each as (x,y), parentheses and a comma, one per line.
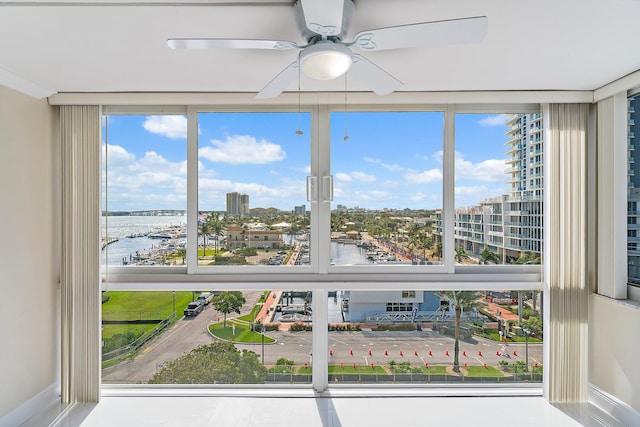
(299,131)
(346,123)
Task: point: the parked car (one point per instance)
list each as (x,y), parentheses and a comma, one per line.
(194,308)
(205,297)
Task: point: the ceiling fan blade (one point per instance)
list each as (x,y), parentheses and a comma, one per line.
(280,82)
(372,76)
(230,44)
(454,31)
(323,17)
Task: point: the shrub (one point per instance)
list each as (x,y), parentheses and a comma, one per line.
(272,326)
(344,327)
(396,327)
(299,326)
(285,361)
(105,298)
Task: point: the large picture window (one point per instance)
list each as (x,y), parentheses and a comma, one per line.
(144,193)
(289,235)
(252,204)
(388,178)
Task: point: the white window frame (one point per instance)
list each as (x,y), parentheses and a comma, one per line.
(320,277)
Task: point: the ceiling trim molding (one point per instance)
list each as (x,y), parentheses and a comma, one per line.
(23,85)
(623,84)
(323,98)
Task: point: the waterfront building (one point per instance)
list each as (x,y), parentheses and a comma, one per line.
(361,306)
(241,237)
(633,192)
(509,225)
(237,204)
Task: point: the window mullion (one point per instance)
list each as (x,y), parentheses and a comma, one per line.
(448,191)
(321,141)
(192,190)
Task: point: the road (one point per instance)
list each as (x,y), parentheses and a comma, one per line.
(346,347)
(182,337)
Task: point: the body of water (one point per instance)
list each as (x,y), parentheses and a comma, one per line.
(127,247)
(342,254)
(123,227)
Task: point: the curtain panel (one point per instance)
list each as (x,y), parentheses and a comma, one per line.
(566,252)
(80,269)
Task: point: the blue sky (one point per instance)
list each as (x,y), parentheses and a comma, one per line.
(390,160)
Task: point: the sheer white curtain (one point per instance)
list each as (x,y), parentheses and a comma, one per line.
(80,270)
(565,261)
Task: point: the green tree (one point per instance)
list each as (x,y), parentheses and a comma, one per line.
(460,301)
(216,363)
(437,252)
(528,258)
(461,254)
(228,302)
(488,255)
(216,229)
(534,324)
(205,230)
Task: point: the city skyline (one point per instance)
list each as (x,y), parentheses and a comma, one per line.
(389,160)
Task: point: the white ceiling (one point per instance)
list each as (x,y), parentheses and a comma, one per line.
(48,47)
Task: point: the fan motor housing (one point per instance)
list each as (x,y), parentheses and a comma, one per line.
(312,36)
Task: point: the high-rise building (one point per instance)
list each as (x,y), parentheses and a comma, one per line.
(300,210)
(237,204)
(633,192)
(510,225)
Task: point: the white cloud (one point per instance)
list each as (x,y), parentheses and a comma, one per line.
(116,155)
(174,127)
(497,120)
(340,176)
(390,184)
(304,169)
(471,195)
(242,149)
(393,168)
(362,177)
(418,197)
(424,177)
(490,170)
(148,182)
(354,176)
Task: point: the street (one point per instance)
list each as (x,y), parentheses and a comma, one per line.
(362,347)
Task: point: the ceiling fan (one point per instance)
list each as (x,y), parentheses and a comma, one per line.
(325,56)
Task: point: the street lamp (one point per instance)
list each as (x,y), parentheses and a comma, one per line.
(527,332)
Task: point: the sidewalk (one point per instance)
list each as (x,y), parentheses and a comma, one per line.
(265,315)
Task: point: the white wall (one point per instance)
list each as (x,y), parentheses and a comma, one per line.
(29,248)
(614,348)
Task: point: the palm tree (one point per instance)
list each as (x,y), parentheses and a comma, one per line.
(461,254)
(205,229)
(437,252)
(460,301)
(488,255)
(216,229)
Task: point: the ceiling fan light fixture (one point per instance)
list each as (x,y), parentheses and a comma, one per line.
(325,60)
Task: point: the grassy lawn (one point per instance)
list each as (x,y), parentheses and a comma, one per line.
(110,330)
(243,334)
(349,369)
(435,370)
(480,371)
(136,305)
